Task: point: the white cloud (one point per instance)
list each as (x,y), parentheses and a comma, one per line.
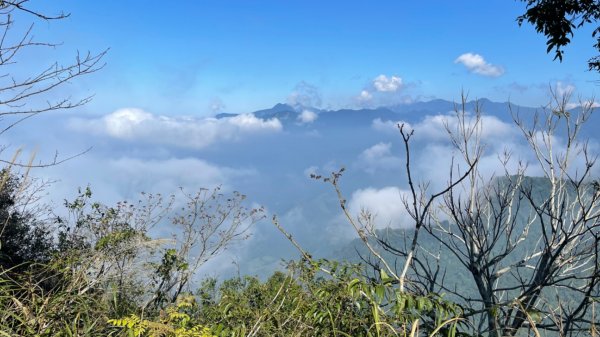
(383,90)
(379,156)
(497,137)
(123,123)
(587,104)
(564,89)
(433,142)
(377,151)
(385,204)
(476,63)
(433,127)
(170,174)
(492,128)
(139,125)
(388,126)
(307,116)
(365,96)
(123,178)
(383,83)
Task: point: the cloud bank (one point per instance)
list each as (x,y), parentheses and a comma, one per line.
(188,132)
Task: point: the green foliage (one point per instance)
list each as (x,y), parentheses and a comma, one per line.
(23,238)
(302,302)
(170,264)
(306,301)
(95,284)
(70,307)
(174,322)
(557,19)
(111,243)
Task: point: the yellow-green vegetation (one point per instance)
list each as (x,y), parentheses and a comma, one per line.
(306,301)
(46,302)
(299,303)
(173,322)
(102,274)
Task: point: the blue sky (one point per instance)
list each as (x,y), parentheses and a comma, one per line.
(199,57)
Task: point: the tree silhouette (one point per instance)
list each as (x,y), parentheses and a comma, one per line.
(557,20)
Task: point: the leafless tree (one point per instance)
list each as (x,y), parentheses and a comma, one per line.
(529,246)
(24,91)
(208,224)
(29,88)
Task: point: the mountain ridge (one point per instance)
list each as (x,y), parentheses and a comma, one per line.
(288,113)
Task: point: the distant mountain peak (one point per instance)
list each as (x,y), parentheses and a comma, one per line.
(282,107)
(224,115)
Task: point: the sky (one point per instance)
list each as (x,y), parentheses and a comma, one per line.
(172,66)
(203,57)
